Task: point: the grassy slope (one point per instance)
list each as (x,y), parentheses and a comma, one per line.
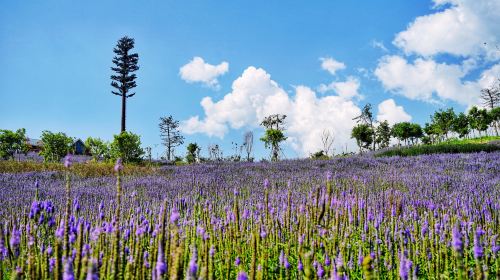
(474,145)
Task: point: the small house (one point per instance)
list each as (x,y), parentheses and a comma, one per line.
(34,145)
(79,147)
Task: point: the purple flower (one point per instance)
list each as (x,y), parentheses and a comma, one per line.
(92,273)
(212,251)
(193,266)
(478,247)
(242,275)
(237,261)
(68,270)
(118,165)
(161,267)
(174,217)
(320,271)
(266,183)
(457,240)
(68,161)
(15,240)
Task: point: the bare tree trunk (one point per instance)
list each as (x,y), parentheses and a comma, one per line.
(124,101)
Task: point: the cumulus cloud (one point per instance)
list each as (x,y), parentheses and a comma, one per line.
(197,70)
(390,112)
(429,81)
(331,65)
(347,89)
(255,95)
(458,27)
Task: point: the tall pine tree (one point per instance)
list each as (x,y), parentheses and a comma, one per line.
(124,79)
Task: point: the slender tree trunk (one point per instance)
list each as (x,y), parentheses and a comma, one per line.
(124,101)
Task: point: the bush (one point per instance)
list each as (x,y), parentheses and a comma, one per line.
(12,142)
(97,148)
(88,169)
(127,146)
(440,149)
(55,145)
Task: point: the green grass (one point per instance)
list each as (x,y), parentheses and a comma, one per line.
(443,148)
(479,140)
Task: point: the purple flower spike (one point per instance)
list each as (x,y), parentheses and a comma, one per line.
(68,161)
(457,240)
(68,270)
(174,217)
(242,275)
(118,165)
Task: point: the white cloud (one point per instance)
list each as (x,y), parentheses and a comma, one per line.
(458,27)
(331,65)
(347,89)
(429,81)
(197,70)
(389,111)
(255,95)
(379,45)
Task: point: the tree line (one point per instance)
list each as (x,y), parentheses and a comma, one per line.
(371,135)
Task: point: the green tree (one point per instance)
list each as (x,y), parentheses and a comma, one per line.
(170,135)
(366,117)
(55,145)
(402,131)
(432,132)
(97,148)
(12,142)
(125,64)
(126,146)
(364,136)
(274,134)
(483,120)
(193,152)
(495,118)
(479,119)
(416,132)
(444,119)
(383,134)
(461,125)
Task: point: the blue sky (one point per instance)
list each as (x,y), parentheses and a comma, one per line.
(407,58)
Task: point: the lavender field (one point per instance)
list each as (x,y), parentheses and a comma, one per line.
(423,217)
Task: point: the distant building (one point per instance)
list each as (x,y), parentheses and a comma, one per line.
(79,147)
(34,145)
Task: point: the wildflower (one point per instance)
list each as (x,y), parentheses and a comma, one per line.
(68,161)
(68,270)
(478,247)
(15,240)
(193,266)
(174,217)
(457,240)
(237,261)
(161,267)
(118,165)
(92,273)
(242,275)
(320,271)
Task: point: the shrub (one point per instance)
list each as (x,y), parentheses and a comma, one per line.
(127,146)
(12,142)
(97,148)
(55,145)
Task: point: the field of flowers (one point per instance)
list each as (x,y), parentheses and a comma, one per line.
(353,218)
